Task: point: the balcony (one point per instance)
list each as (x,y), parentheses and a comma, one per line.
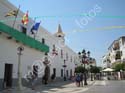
(20,37)
(118,55)
(116,46)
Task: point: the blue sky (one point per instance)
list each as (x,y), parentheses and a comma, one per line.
(81,32)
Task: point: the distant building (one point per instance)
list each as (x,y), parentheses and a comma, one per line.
(90,62)
(116,52)
(106,63)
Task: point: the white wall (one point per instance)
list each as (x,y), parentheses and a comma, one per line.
(8,54)
(8,48)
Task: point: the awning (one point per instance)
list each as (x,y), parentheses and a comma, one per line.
(108,70)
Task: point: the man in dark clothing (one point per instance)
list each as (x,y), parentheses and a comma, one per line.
(78,79)
(81,79)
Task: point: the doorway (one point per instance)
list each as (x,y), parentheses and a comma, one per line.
(54,71)
(61,72)
(70,72)
(8,75)
(67,72)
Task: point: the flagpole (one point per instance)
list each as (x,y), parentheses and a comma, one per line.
(34,23)
(16,17)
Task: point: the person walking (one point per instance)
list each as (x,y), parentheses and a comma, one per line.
(78,79)
(81,79)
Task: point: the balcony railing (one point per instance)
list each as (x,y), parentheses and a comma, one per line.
(21,37)
(118,55)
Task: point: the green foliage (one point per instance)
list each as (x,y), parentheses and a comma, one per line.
(120,66)
(80,69)
(95,69)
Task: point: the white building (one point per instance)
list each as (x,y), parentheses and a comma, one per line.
(116,51)
(106,61)
(34,49)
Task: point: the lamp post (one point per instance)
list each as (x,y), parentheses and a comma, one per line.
(64,66)
(84,60)
(20,49)
(47,69)
(91,75)
(121,74)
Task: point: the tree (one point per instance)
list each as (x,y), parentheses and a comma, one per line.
(80,69)
(120,66)
(95,69)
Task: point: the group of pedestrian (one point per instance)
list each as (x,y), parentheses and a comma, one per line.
(79,80)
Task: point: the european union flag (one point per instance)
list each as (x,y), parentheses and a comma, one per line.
(35,27)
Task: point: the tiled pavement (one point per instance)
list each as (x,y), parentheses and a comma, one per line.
(55,87)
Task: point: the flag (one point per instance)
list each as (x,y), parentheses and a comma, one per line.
(35,27)
(12,13)
(25,19)
(54,51)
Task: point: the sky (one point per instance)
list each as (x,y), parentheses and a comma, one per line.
(88,24)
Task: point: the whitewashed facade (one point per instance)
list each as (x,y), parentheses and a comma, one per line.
(31,54)
(116,51)
(106,61)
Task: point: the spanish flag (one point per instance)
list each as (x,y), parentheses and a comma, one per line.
(25,19)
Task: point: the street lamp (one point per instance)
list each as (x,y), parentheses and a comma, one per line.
(84,60)
(121,77)
(47,69)
(91,75)
(64,66)
(20,49)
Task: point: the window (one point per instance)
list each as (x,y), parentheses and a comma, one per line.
(61,53)
(70,72)
(43,41)
(54,51)
(23,29)
(67,56)
(118,55)
(71,59)
(54,47)
(61,72)
(54,71)
(67,73)
(59,36)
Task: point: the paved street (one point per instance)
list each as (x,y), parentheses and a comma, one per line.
(93,87)
(63,88)
(107,87)
(59,87)
(97,87)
